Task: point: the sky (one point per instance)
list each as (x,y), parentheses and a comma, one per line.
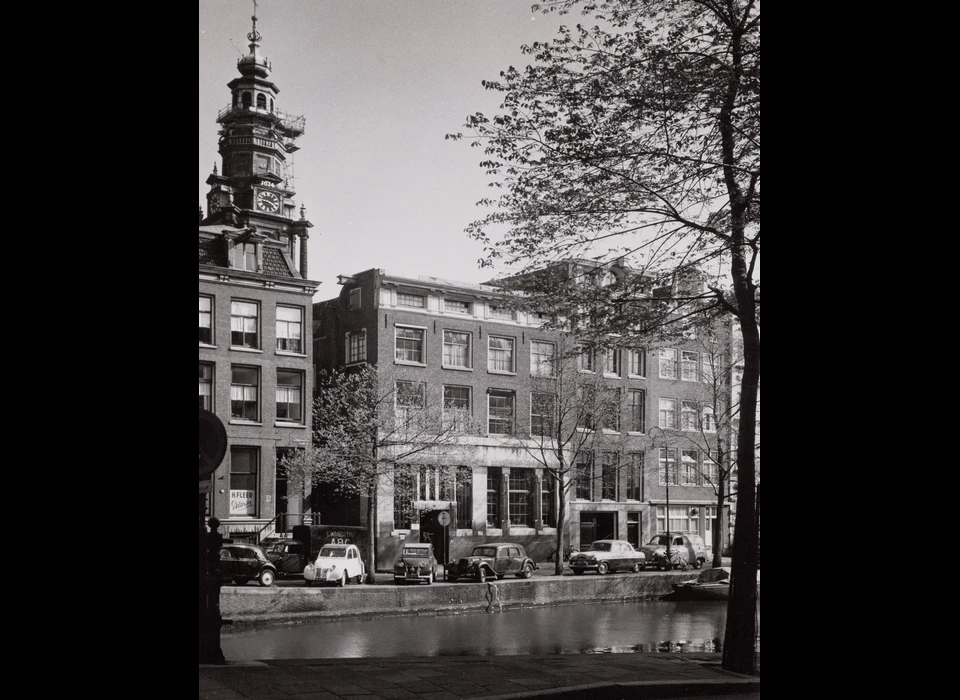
(380,83)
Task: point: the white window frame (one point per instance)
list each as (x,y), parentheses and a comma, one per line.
(503,393)
(423,345)
(586,358)
(689,468)
(637,359)
(287,325)
(689,366)
(404,297)
(537,361)
(238,316)
(207,383)
(668,362)
(552,417)
(360,345)
(501,312)
(459,416)
(468,353)
(708,419)
(287,391)
(667,410)
(611,362)
(207,315)
(688,409)
(450,306)
(512,350)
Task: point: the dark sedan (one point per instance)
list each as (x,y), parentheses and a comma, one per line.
(496,559)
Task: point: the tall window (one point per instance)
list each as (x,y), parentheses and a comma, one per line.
(634,474)
(689,366)
(609,476)
(637,407)
(245,256)
(357,346)
(608,417)
(706,368)
(289,396)
(494,486)
(289,329)
(501,312)
(708,419)
(244,463)
(668,466)
(206,386)
(543,409)
(521,497)
(679,520)
(354,300)
(584,476)
(456,349)
(668,363)
(410,345)
(586,407)
(428,483)
(244,324)
(637,360)
(689,468)
(206,321)
(456,408)
(465,501)
(542,357)
(417,301)
(585,358)
(500,358)
(688,415)
(547,508)
(711,471)
(668,413)
(244,392)
(404,489)
(500,412)
(410,399)
(611,362)
(455,306)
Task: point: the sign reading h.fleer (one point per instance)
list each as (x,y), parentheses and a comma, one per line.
(243,502)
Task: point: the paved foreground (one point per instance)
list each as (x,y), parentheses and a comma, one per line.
(597,676)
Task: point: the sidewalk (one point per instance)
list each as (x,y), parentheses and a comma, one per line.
(599,676)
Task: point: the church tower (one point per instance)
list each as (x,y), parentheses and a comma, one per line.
(254,186)
(256,310)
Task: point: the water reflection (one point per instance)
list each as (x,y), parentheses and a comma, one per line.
(648,626)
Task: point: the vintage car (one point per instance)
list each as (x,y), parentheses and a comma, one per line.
(605,556)
(685,550)
(417,563)
(335,563)
(495,559)
(288,555)
(242,562)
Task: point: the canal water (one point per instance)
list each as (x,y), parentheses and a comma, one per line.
(598,628)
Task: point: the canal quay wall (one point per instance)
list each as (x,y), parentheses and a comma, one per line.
(290,604)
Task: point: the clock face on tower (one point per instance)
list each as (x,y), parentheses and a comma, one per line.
(268,201)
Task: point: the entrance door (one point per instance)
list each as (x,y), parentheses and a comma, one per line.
(633,529)
(597,526)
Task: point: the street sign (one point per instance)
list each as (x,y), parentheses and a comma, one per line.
(444,518)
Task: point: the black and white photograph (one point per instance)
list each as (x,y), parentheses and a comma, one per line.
(479,343)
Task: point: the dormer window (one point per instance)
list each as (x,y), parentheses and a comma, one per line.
(245,256)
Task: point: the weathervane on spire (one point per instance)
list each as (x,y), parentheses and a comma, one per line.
(254,36)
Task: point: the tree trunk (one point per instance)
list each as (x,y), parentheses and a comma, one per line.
(561,519)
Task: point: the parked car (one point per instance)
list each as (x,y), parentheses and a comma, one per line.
(604,556)
(417,563)
(289,556)
(491,560)
(243,562)
(685,550)
(335,563)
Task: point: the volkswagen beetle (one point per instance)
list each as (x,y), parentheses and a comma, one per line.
(493,560)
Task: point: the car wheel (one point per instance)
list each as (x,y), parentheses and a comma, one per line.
(266,578)
(603,568)
(636,568)
(483,576)
(665,566)
(578,572)
(643,567)
(527,571)
(698,563)
(343,580)
(430,579)
(242,581)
